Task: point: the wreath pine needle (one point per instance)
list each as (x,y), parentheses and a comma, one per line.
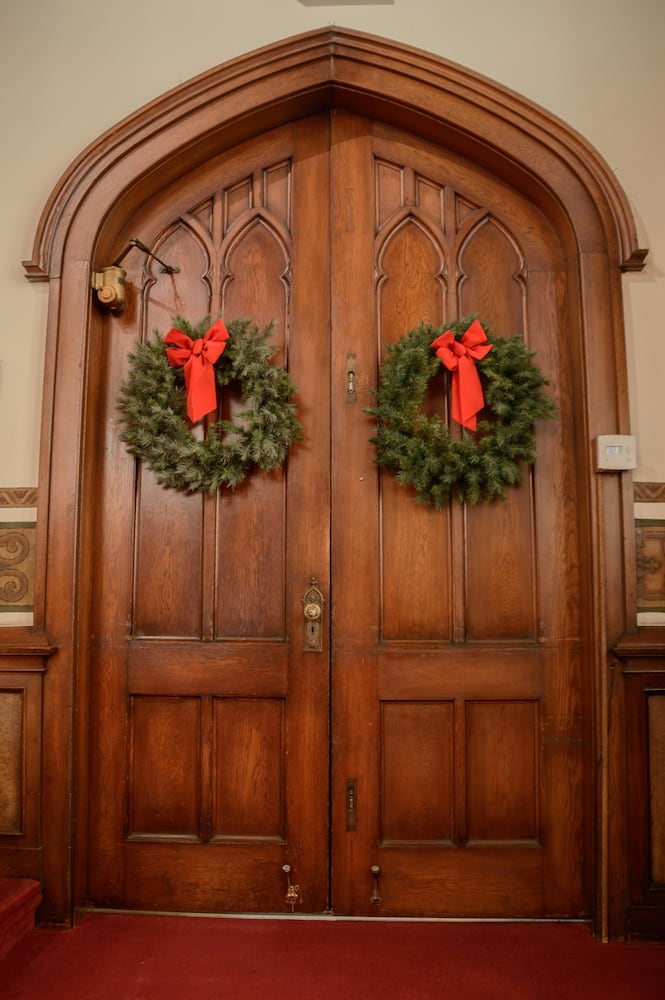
(422,452)
(152,404)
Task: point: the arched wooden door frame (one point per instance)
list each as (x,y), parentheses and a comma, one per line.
(441,102)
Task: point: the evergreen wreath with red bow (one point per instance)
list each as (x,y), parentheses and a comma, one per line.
(172,385)
(490,376)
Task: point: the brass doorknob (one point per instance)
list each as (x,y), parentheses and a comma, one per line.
(312,610)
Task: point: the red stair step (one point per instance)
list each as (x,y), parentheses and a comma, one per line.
(19,898)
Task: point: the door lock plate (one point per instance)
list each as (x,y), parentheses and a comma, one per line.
(312,603)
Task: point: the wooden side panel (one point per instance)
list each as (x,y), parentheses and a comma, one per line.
(656,731)
(254,260)
(11,761)
(21,698)
(644,677)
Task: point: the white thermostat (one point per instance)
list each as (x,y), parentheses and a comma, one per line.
(615,452)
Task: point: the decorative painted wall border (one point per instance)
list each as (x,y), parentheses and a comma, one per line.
(649,492)
(18,515)
(650,552)
(18,496)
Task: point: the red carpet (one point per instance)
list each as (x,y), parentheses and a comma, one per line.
(133,957)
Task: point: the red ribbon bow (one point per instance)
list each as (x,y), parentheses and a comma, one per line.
(459,357)
(198,357)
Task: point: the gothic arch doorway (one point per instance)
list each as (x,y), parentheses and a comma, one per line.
(397,163)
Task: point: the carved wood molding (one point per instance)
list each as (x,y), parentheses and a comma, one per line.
(17,642)
(336,67)
(643,646)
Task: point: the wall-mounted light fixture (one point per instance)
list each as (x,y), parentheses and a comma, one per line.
(109,283)
(347,3)
(110,287)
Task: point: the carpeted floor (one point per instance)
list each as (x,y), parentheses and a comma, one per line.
(135,957)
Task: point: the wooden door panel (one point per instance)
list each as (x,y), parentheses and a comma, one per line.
(250,557)
(247,669)
(411,269)
(460,669)
(450,661)
(502,780)
(248,780)
(500,568)
(213,719)
(492,270)
(241,235)
(453,648)
(165,769)
(239,886)
(503,880)
(167,588)
(205,769)
(417,581)
(418,739)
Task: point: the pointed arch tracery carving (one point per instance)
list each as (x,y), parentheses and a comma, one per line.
(417,218)
(240,230)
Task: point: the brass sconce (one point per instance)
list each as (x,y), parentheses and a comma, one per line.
(110,287)
(109,283)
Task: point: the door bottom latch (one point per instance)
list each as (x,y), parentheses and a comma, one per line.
(293,896)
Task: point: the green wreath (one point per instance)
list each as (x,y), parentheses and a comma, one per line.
(421,450)
(152,402)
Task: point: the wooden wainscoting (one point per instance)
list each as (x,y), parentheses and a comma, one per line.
(642,657)
(23,659)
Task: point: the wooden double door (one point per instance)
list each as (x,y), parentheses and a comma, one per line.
(439,734)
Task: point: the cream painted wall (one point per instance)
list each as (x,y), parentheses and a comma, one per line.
(71,69)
